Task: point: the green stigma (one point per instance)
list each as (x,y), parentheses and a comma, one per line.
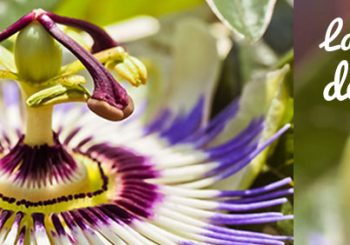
(38,56)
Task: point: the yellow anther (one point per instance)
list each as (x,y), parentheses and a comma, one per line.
(132,70)
(116,59)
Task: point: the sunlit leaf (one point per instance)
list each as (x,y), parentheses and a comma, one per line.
(247,18)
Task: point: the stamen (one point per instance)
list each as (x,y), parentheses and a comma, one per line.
(116,59)
(109,99)
(101,38)
(17,26)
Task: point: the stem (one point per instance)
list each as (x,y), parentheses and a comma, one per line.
(38,129)
(39,126)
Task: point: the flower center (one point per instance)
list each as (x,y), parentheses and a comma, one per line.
(53,179)
(41,176)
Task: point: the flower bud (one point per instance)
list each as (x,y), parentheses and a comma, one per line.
(38,56)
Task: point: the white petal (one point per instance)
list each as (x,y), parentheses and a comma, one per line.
(260,98)
(196,65)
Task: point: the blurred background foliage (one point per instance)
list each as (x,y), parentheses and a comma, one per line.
(254,36)
(121,10)
(322,128)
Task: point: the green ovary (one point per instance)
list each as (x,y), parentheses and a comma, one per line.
(38,56)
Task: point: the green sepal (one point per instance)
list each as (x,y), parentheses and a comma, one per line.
(66,89)
(70,80)
(6,59)
(8,75)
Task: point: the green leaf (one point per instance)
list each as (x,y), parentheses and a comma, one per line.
(286,226)
(247,18)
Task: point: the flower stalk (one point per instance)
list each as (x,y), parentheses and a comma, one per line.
(38,120)
(39,126)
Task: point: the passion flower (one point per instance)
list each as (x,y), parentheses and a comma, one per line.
(72,178)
